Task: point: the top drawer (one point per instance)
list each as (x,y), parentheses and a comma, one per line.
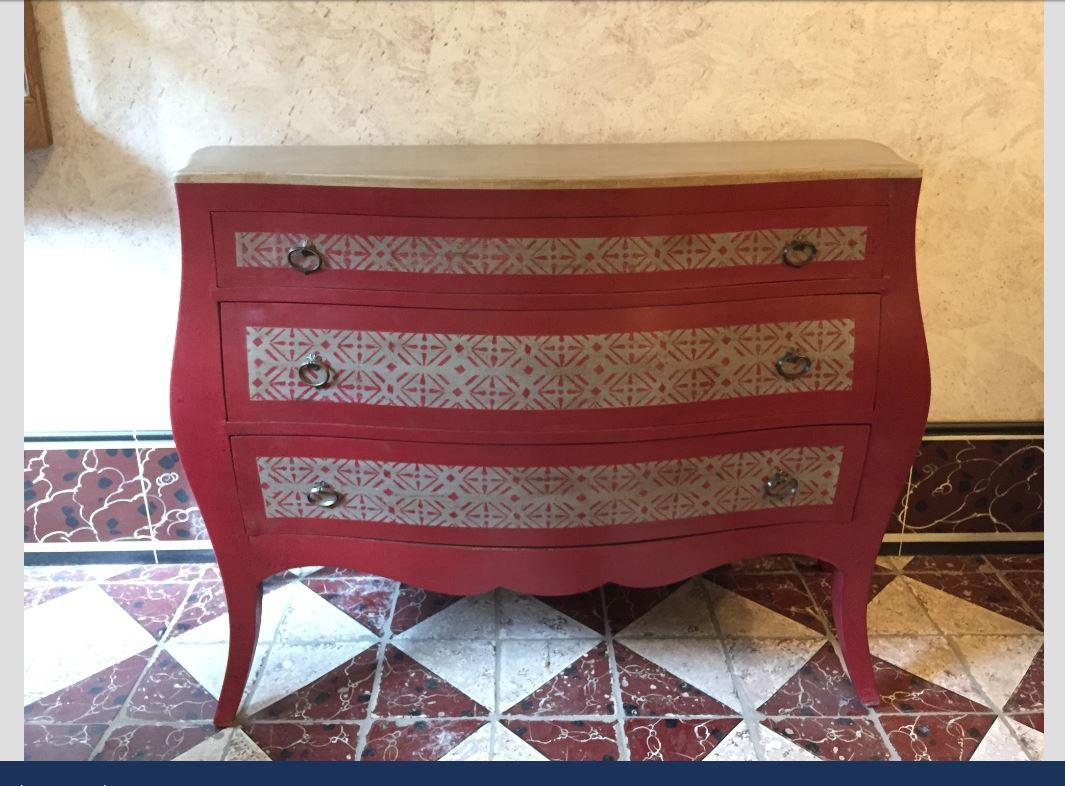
(547,255)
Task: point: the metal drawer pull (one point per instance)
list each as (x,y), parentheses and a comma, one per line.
(781,485)
(314,371)
(798,253)
(305,257)
(793,364)
(323,495)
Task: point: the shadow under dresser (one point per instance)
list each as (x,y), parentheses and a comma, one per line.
(546,368)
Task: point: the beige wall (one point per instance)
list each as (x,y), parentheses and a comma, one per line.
(134,88)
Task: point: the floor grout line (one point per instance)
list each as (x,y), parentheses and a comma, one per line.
(375,689)
(624,754)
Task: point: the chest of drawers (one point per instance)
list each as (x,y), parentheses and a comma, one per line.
(547,367)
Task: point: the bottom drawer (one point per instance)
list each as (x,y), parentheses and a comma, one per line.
(545,495)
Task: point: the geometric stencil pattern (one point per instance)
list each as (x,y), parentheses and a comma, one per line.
(551,256)
(491,497)
(550,372)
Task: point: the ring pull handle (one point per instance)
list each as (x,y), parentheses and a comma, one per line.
(314,371)
(781,485)
(793,364)
(323,495)
(798,253)
(305,257)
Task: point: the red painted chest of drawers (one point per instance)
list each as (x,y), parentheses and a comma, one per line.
(547,368)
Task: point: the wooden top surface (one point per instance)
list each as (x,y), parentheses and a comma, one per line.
(548,166)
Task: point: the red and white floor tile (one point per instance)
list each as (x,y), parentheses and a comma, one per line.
(126,662)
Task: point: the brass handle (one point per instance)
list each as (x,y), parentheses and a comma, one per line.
(314,371)
(305,257)
(793,364)
(781,485)
(798,253)
(323,495)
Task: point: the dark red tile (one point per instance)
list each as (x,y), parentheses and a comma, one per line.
(901,691)
(1028,695)
(36,594)
(168,692)
(568,740)
(341,695)
(675,739)
(773,563)
(408,689)
(152,743)
(368,600)
(61,743)
(420,740)
(585,607)
(152,605)
(414,605)
(306,741)
(625,605)
(820,588)
(783,593)
(1007,562)
(977,486)
(1029,585)
(936,737)
(83,495)
(946,563)
(183,573)
(819,688)
(172,510)
(1031,720)
(206,601)
(983,589)
(582,688)
(834,739)
(96,699)
(647,689)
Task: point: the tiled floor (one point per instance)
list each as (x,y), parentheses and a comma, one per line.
(740,664)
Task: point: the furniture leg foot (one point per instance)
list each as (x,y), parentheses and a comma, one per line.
(245,605)
(850,601)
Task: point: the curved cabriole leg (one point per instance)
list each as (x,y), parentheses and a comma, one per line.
(244,599)
(850,601)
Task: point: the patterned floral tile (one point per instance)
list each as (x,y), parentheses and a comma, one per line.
(1008,562)
(420,740)
(936,737)
(68,742)
(648,689)
(168,693)
(206,601)
(414,605)
(569,740)
(946,563)
(582,688)
(977,486)
(676,739)
(819,688)
(152,605)
(368,599)
(901,691)
(96,699)
(83,495)
(408,689)
(833,739)
(183,573)
(783,593)
(151,743)
(172,510)
(305,741)
(982,589)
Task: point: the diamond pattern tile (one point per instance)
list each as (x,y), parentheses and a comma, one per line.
(126,664)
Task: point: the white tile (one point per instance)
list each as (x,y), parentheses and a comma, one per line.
(1031,740)
(472,617)
(509,746)
(506,746)
(311,618)
(739,616)
(74,636)
(523,616)
(999,745)
(230,744)
(998,663)
(895,610)
(777,747)
(699,662)
(468,664)
(207,663)
(893,563)
(737,746)
(684,613)
(526,665)
(289,666)
(763,666)
(243,748)
(955,615)
(930,658)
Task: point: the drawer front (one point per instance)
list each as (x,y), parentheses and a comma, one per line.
(426,368)
(544,495)
(611,254)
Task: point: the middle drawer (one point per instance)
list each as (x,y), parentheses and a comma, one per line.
(559,370)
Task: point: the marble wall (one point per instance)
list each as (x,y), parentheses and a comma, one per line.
(134,88)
